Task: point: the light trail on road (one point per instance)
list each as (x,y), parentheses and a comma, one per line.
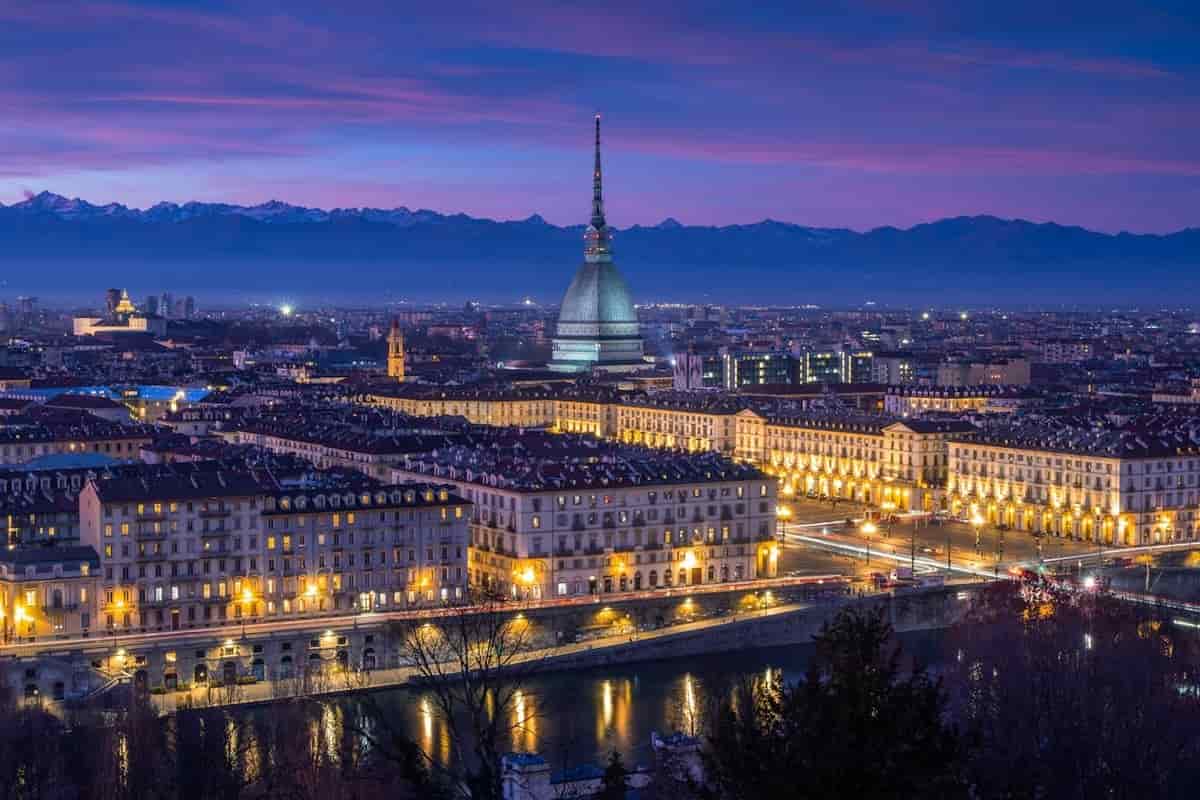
(1117,552)
(929,564)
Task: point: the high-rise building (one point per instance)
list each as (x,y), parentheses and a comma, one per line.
(597,323)
(733,369)
(694,370)
(189,307)
(166,305)
(395,360)
(152,304)
(111,298)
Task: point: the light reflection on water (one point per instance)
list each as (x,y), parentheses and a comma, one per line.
(583,716)
(572,718)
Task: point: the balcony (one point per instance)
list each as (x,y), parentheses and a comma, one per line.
(149,535)
(64,608)
(214,534)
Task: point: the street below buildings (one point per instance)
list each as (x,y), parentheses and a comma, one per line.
(820,536)
(260,627)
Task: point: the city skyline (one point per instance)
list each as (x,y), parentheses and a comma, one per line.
(347,452)
(860,118)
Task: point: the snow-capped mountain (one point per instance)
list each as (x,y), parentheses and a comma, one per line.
(272,211)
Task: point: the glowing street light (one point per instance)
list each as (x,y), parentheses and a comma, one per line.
(977,523)
(868,530)
(247,600)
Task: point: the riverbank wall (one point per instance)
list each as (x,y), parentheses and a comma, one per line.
(200,669)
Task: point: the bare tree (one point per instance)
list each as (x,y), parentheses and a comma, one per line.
(475,663)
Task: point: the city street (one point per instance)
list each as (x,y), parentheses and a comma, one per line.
(816,532)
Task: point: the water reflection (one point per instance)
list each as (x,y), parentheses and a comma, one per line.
(572,718)
(524,723)
(683,705)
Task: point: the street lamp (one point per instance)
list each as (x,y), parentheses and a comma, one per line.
(999,549)
(868,529)
(977,523)
(888,507)
(247,605)
(19,616)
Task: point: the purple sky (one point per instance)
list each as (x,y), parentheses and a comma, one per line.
(878,113)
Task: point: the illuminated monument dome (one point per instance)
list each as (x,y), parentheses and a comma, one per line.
(597,325)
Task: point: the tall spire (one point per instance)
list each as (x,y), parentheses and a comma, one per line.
(597,189)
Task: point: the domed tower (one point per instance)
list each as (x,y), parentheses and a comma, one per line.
(395,343)
(597,324)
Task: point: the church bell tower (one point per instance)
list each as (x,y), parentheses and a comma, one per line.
(395,341)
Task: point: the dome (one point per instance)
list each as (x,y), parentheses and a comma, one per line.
(597,324)
(597,295)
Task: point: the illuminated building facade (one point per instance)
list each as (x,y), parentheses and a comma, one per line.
(48,592)
(563,525)
(860,458)
(181,551)
(528,408)
(395,356)
(1110,489)
(124,317)
(909,400)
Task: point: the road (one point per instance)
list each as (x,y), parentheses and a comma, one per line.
(336,681)
(818,527)
(106,643)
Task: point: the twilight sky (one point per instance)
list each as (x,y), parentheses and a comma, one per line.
(852,114)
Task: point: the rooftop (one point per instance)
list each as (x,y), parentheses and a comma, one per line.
(1141,436)
(533,461)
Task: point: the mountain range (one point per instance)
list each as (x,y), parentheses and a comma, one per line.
(49,243)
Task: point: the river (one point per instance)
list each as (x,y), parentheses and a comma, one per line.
(578,717)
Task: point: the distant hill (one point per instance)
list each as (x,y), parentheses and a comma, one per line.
(51,244)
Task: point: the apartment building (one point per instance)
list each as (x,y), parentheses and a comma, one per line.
(694,422)
(569,516)
(40,507)
(1080,479)
(907,401)
(867,459)
(997,372)
(194,549)
(1067,351)
(20,444)
(831,452)
(525,407)
(48,592)
(331,438)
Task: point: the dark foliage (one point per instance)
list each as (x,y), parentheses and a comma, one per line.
(857,725)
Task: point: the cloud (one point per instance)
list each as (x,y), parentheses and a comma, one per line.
(743,93)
